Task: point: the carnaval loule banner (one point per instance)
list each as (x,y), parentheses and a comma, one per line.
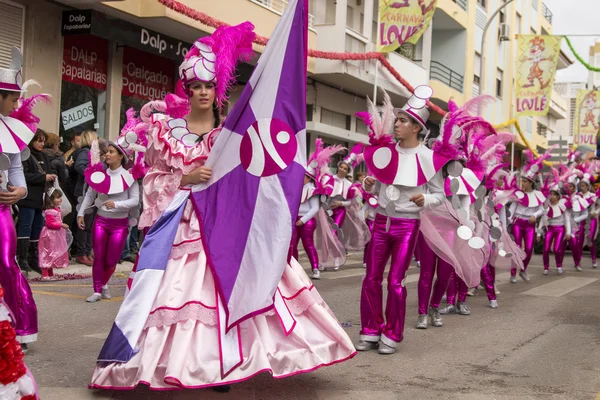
(587,117)
(536,67)
(403,21)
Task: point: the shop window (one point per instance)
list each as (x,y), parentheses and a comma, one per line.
(84,79)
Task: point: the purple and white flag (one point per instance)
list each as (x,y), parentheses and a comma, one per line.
(248,208)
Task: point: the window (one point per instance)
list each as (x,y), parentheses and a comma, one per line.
(477,69)
(309,111)
(362,23)
(542,130)
(11,21)
(499,81)
(350,17)
(336,119)
(519,22)
(374,32)
(482,3)
(502,17)
(534,4)
(361,127)
(353,45)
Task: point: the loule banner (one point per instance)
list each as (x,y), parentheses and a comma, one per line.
(587,117)
(402,22)
(536,67)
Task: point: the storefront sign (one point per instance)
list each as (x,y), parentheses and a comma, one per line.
(85,61)
(124,33)
(537,57)
(146,76)
(77,115)
(76,22)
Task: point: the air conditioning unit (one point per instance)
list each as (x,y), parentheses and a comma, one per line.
(503,33)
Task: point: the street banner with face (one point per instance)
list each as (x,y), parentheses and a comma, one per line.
(587,118)
(536,67)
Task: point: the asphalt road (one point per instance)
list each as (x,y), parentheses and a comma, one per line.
(542,343)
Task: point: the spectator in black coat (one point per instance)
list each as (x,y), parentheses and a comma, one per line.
(57,164)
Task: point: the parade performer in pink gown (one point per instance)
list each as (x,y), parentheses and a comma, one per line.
(475,146)
(184,324)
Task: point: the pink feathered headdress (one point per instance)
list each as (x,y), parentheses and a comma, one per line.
(25,111)
(551,183)
(533,166)
(587,169)
(466,136)
(495,173)
(572,156)
(319,160)
(214,59)
(380,124)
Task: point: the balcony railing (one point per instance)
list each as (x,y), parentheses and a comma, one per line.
(461,3)
(440,72)
(546,12)
(278,6)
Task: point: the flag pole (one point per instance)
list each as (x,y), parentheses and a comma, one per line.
(377,50)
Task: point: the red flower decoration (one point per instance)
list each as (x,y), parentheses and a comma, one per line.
(11,355)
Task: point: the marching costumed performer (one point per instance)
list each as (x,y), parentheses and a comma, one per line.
(407,176)
(16,131)
(588,237)
(458,243)
(311,212)
(115,192)
(505,253)
(355,231)
(202,310)
(579,210)
(555,225)
(526,210)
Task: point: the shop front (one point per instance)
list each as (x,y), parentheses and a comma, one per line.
(109,66)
